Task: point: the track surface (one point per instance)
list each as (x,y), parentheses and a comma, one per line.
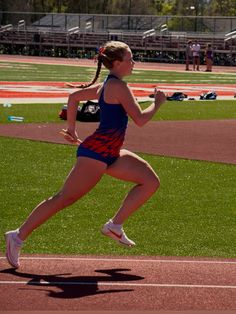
(23,92)
(115,283)
(212,140)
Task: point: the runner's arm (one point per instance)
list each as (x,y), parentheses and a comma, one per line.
(89,93)
(132,107)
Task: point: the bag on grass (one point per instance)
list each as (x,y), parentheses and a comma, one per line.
(208,96)
(63,113)
(89,112)
(179,96)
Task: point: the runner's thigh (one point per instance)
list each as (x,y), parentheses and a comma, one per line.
(131,167)
(83,177)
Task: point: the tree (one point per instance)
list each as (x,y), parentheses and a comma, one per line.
(138,7)
(222,7)
(163,7)
(189,7)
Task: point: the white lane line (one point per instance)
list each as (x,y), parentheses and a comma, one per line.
(97,259)
(63,283)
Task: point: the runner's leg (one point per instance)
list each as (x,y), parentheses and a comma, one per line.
(83,177)
(130,167)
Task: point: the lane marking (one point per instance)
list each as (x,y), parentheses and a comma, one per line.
(125,260)
(81,283)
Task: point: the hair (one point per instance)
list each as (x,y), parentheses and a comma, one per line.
(110,52)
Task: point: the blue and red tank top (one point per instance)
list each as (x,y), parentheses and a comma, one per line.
(110,134)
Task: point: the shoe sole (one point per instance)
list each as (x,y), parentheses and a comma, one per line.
(112,236)
(7,255)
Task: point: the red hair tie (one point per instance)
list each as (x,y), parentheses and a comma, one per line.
(101,50)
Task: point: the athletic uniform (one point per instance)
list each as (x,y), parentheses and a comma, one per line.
(105,143)
(209,54)
(196,50)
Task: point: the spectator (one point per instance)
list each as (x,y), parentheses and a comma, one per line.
(188,54)
(196,55)
(209,57)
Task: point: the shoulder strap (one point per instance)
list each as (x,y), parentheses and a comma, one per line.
(106,80)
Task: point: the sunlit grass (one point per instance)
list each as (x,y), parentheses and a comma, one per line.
(193,213)
(63,73)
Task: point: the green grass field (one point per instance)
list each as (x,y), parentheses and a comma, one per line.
(61,73)
(193,213)
(171,110)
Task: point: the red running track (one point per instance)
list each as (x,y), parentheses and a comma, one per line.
(118,283)
(11,90)
(58,89)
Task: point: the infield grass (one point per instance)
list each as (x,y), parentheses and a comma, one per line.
(193,213)
(172,110)
(43,72)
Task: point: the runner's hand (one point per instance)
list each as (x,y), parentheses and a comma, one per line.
(67,84)
(159,96)
(70,137)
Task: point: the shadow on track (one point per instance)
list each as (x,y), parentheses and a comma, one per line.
(70,287)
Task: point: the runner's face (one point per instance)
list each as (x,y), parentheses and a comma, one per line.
(127,64)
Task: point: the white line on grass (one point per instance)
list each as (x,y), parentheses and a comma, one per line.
(97,259)
(81,283)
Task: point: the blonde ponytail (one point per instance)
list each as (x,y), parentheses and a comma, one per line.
(99,66)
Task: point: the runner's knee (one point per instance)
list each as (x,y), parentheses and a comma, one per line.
(153,183)
(66,199)
(150,180)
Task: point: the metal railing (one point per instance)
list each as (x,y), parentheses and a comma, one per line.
(135,23)
(49,35)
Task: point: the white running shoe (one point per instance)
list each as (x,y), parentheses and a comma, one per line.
(116,234)
(13,246)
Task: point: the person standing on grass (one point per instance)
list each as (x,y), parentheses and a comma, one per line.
(101,152)
(209,58)
(196,48)
(188,55)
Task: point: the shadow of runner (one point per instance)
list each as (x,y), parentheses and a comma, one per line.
(77,286)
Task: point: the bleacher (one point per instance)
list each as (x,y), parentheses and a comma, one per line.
(74,34)
(83,40)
